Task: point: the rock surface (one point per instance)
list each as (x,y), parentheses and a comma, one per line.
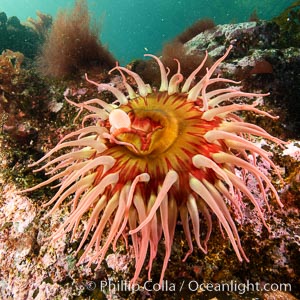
(260,61)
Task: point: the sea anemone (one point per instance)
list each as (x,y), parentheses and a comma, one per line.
(155,157)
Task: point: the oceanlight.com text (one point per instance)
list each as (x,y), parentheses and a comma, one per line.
(241,288)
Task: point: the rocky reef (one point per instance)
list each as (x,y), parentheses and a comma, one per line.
(261,61)
(25,38)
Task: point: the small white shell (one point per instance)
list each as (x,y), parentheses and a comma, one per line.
(119,119)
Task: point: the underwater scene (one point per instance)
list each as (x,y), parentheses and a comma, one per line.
(150,149)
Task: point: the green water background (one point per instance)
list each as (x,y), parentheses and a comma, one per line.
(131,28)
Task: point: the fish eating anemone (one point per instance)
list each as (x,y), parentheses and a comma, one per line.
(154,157)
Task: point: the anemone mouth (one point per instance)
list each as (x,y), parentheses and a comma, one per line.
(152,131)
(160,136)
